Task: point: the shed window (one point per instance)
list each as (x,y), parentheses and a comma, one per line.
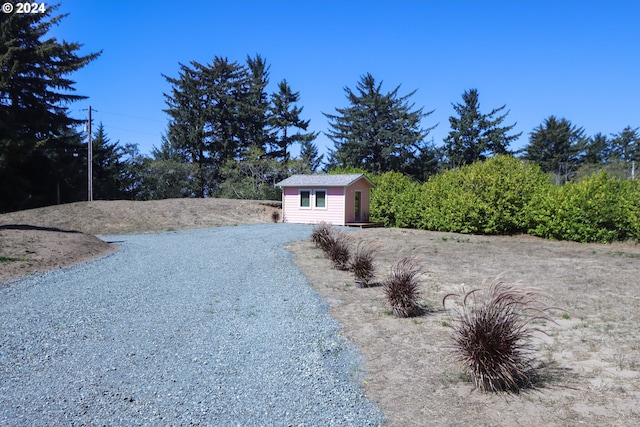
(321,199)
(305,198)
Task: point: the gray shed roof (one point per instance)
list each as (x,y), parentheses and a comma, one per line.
(322,180)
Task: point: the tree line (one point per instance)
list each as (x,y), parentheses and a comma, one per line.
(228,137)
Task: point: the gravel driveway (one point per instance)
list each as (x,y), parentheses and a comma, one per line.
(209,327)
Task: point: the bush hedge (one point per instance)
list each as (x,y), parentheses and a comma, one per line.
(505,195)
(394,200)
(597,209)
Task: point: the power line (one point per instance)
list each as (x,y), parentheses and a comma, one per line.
(133,117)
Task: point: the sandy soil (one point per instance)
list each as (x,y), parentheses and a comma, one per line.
(590,360)
(27,249)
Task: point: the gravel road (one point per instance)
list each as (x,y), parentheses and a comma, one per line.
(210,327)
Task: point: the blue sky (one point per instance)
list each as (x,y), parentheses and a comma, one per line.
(574,59)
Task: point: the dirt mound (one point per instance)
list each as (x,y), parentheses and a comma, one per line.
(60,236)
(124,216)
(28,249)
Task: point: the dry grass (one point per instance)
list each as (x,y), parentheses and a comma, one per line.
(589,363)
(125,216)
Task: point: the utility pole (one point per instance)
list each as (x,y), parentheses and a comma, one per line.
(90,162)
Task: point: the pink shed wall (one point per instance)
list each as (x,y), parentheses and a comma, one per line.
(340,209)
(364,187)
(333,213)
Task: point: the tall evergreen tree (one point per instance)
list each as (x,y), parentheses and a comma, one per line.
(217,112)
(133,172)
(36,130)
(309,157)
(556,146)
(55,172)
(377,131)
(625,146)
(108,168)
(597,150)
(285,121)
(252,178)
(255,118)
(188,127)
(427,163)
(475,136)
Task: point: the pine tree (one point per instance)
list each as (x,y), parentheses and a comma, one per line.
(625,152)
(556,146)
(283,116)
(309,156)
(254,120)
(427,163)
(188,126)
(625,146)
(36,130)
(377,131)
(217,112)
(134,168)
(108,168)
(597,150)
(475,136)
(252,178)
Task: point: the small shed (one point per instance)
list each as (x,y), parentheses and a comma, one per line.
(336,199)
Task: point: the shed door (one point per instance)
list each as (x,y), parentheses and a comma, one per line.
(356,207)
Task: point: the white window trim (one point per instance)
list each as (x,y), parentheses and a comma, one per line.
(300,198)
(326,199)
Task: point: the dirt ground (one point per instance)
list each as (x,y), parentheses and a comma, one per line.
(27,249)
(60,236)
(590,360)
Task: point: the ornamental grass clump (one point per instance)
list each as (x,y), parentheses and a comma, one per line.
(321,235)
(402,288)
(338,249)
(492,335)
(362,263)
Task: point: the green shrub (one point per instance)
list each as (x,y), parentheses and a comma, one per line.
(630,201)
(393,201)
(448,206)
(487,197)
(597,209)
(505,195)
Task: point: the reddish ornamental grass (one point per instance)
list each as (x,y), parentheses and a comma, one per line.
(339,249)
(362,263)
(321,235)
(492,335)
(402,289)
